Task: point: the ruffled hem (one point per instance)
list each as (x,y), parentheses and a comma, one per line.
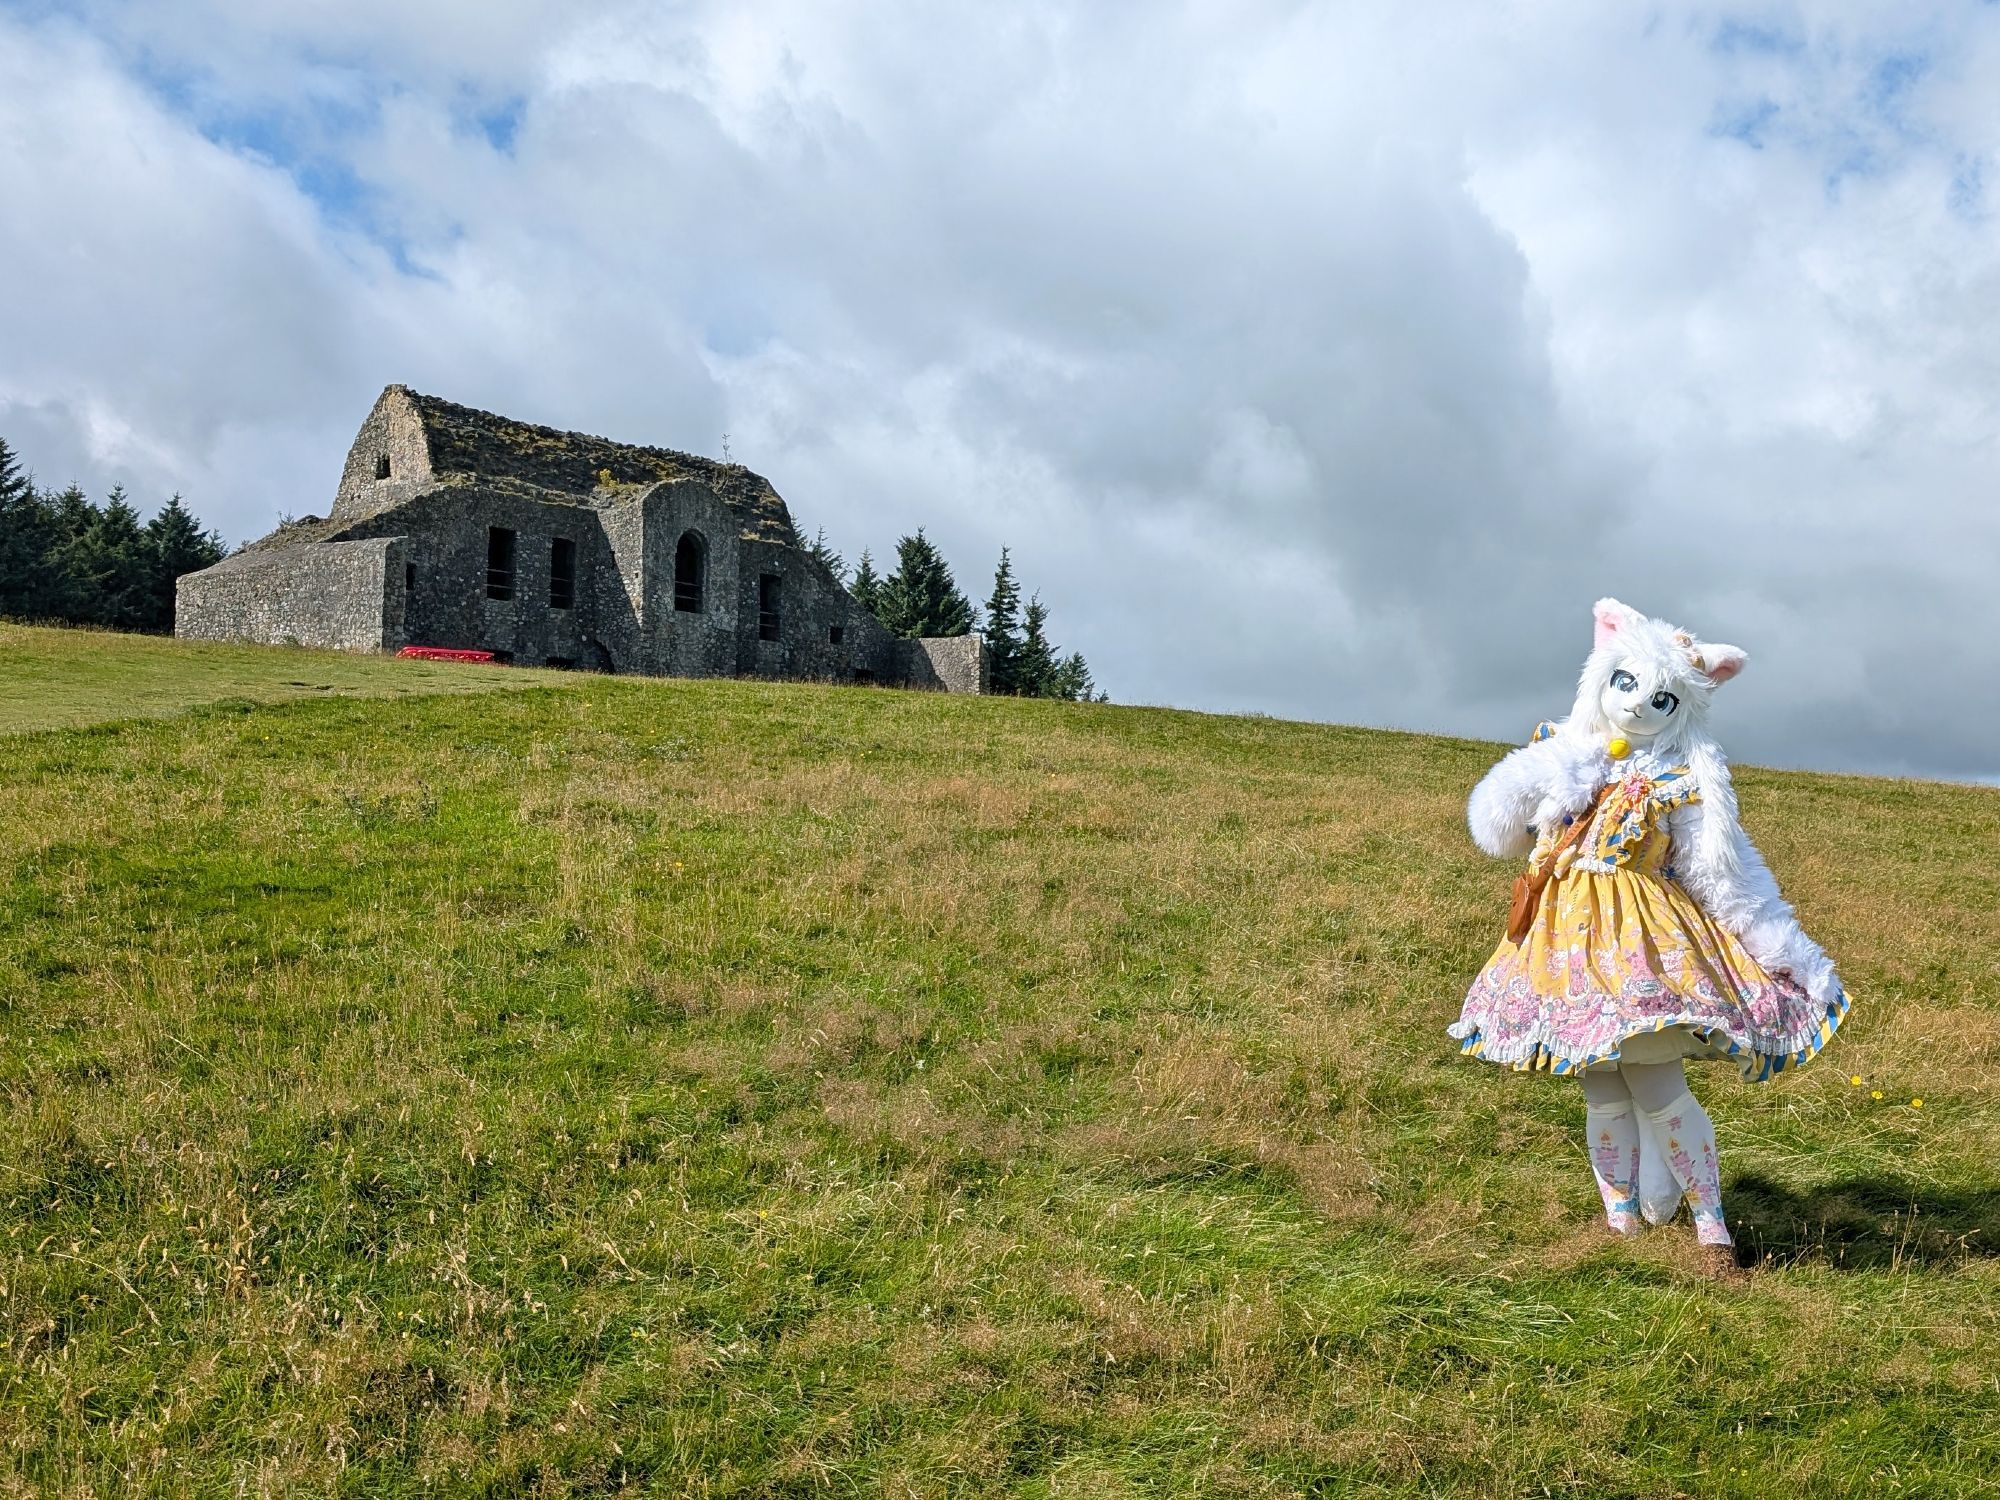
(1540,1050)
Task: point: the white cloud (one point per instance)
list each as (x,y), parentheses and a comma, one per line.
(1322,359)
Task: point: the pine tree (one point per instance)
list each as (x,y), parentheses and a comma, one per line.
(175,544)
(1003,629)
(921,598)
(14,485)
(27,544)
(111,565)
(867,585)
(835,563)
(71,592)
(1071,680)
(1035,667)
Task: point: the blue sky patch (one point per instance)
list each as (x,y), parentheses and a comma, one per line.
(1757,37)
(1967,194)
(1748,122)
(502,126)
(308,138)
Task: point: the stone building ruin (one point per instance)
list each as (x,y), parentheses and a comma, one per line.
(460,529)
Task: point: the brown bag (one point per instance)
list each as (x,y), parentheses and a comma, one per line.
(1528,884)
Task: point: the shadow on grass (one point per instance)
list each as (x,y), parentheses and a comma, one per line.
(1863,1223)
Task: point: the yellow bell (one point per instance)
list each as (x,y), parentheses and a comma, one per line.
(1619,747)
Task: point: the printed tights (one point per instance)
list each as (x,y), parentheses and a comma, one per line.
(1652,1144)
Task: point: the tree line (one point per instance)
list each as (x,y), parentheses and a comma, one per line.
(919,597)
(65,558)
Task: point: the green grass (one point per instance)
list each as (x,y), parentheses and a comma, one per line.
(54,677)
(716,1088)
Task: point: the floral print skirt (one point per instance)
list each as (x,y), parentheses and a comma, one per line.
(1627,965)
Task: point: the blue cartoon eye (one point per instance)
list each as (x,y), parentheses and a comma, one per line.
(1666,703)
(1623,680)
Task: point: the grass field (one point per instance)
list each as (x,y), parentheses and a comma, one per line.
(61,678)
(717,1088)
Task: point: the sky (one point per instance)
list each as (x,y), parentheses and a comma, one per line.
(1324,360)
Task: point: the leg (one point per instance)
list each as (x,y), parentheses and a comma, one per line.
(1661,1092)
(1659,1193)
(1611,1127)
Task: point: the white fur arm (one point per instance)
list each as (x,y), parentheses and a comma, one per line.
(1735,887)
(1532,787)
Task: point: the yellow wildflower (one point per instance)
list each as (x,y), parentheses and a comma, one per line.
(1876,1095)
(1916,1104)
(1855,1080)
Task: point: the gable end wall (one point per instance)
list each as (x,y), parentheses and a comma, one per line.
(331,595)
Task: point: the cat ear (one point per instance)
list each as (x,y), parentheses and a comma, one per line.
(1611,617)
(1718,661)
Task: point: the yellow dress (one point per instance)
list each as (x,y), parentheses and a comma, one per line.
(1622,963)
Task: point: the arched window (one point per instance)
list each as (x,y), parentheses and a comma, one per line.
(690,572)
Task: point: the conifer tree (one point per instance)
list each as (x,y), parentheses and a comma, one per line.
(175,544)
(1071,679)
(1003,629)
(27,544)
(1035,667)
(111,565)
(71,593)
(63,558)
(921,598)
(867,585)
(821,549)
(14,485)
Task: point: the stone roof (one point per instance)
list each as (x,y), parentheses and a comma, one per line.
(294,532)
(468,444)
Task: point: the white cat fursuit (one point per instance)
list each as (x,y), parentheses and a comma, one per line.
(1558,776)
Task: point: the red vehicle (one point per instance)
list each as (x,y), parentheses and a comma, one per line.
(444,653)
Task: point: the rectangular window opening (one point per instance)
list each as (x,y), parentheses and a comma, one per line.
(499,563)
(767,606)
(381,466)
(562,573)
(409,578)
(836,633)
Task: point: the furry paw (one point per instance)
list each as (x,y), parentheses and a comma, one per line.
(1783,951)
(1553,812)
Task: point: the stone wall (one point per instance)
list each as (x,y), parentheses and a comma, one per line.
(332,595)
(393,432)
(691,643)
(951,663)
(822,634)
(443,581)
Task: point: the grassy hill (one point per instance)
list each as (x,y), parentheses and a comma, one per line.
(55,677)
(719,1088)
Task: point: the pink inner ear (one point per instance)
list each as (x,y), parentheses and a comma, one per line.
(1607,626)
(1725,669)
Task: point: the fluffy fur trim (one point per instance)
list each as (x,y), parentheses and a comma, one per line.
(1532,787)
(1742,895)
